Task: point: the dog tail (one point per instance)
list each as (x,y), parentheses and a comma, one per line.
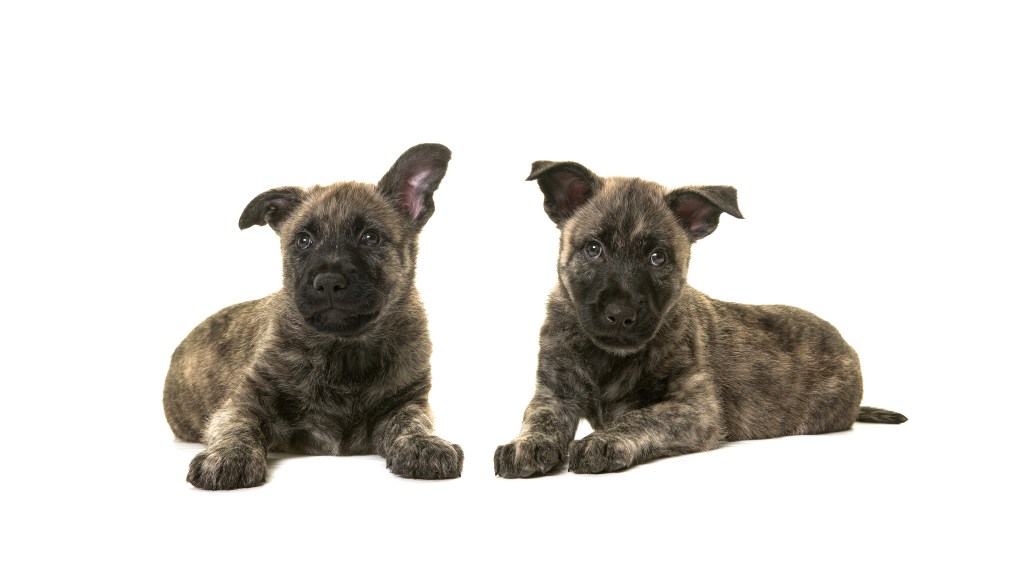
(873,415)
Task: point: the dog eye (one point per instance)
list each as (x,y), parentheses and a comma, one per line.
(303,240)
(593,250)
(370,238)
(658,258)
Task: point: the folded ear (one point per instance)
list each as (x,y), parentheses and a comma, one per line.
(566,186)
(271,207)
(698,208)
(410,183)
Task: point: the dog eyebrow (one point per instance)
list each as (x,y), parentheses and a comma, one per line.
(360,224)
(356,225)
(582,238)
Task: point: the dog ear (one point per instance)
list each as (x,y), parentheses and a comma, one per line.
(698,208)
(410,183)
(566,186)
(271,207)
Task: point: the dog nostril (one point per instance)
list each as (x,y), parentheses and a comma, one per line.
(617,314)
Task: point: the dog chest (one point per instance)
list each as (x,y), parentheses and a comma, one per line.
(322,420)
(621,384)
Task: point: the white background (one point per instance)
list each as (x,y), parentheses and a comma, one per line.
(877,152)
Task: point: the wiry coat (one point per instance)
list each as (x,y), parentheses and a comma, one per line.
(338,361)
(656,367)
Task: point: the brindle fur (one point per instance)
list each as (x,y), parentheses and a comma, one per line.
(656,367)
(336,369)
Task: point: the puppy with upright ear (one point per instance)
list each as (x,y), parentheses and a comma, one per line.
(336,362)
(656,367)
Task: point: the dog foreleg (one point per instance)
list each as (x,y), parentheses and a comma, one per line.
(406,440)
(236,453)
(690,420)
(549,423)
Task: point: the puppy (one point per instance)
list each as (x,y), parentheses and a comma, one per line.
(338,361)
(656,367)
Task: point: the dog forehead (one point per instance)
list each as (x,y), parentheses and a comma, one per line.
(331,207)
(624,211)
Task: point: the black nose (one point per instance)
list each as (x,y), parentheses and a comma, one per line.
(619,314)
(329,283)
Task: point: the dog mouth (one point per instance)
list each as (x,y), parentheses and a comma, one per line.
(619,343)
(340,322)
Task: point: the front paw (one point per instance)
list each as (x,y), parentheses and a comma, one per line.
(527,456)
(425,458)
(600,452)
(227,469)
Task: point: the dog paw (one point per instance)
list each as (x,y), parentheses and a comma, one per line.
(599,452)
(425,458)
(527,456)
(227,469)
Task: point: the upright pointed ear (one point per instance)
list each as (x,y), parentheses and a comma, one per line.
(271,207)
(698,208)
(410,183)
(566,186)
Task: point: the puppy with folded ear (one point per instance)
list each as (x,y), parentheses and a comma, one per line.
(656,367)
(336,362)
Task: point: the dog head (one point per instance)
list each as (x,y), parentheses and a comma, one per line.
(349,249)
(625,247)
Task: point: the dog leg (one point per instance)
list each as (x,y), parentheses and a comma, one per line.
(236,453)
(690,421)
(405,439)
(548,426)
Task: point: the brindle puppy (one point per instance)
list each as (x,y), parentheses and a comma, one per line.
(655,366)
(338,361)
